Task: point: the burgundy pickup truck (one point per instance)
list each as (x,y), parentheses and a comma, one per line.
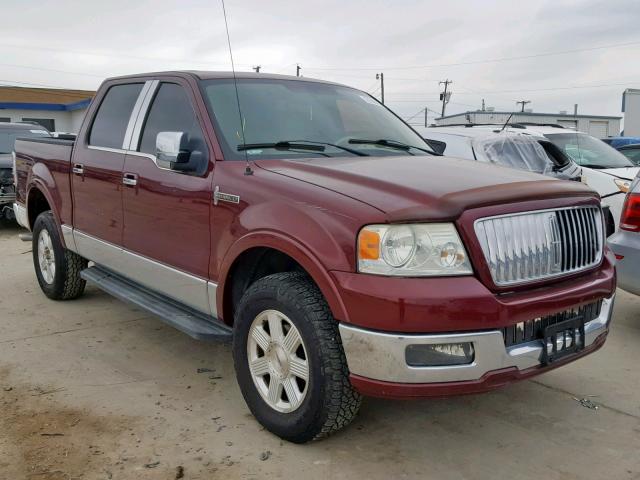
(311,226)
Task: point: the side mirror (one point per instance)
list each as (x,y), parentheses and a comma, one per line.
(171,148)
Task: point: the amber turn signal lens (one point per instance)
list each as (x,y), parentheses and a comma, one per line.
(368,245)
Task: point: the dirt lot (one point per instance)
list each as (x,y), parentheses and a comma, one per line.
(95,389)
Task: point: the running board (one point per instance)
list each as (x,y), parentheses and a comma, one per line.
(185,319)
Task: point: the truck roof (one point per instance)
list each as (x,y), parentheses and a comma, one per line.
(210,75)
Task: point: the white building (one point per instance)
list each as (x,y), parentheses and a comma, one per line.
(55,109)
(597,125)
(631,110)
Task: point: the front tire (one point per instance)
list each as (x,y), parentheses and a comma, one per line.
(289,359)
(57,269)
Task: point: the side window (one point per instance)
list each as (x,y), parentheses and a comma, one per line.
(171,111)
(110,123)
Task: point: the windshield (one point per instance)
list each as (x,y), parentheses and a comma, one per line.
(588,151)
(632,154)
(513,151)
(289,113)
(8,137)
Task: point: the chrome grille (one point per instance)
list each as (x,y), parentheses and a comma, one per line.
(537,245)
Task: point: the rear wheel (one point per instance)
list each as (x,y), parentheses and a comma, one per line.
(289,359)
(57,269)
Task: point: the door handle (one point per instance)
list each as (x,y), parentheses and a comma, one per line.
(130,179)
(78,169)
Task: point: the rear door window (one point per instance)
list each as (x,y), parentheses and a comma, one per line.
(110,123)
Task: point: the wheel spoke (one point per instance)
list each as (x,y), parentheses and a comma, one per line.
(299,368)
(275,390)
(292,341)
(291,389)
(259,367)
(275,327)
(261,337)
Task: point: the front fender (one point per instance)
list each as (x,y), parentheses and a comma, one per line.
(296,250)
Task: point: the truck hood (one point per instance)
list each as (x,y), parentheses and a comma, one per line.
(6,160)
(424,187)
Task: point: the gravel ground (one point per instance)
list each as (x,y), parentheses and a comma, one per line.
(95,389)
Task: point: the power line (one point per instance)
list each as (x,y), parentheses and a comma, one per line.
(491,60)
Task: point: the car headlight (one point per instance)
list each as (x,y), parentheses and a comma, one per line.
(623,185)
(412,250)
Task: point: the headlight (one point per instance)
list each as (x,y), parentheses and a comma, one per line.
(412,250)
(623,185)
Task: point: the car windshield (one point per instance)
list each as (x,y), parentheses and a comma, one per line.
(282,117)
(632,154)
(8,136)
(513,151)
(588,151)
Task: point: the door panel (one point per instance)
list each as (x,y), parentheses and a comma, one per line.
(98,161)
(166,213)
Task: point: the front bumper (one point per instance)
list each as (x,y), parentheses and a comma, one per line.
(378,358)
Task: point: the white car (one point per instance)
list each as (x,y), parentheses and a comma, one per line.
(604,169)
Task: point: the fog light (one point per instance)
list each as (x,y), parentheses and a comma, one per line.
(439,354)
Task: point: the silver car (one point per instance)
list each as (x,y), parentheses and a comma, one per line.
(625,243)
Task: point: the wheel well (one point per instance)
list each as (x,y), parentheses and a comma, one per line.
(36,204)
(250,266)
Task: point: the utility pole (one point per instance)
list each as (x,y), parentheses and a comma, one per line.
(257,68)
(483,105)
(298,68)
(380,76)
(445,96)
(426,113)
(523,103)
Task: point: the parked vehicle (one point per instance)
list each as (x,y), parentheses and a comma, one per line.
(319,232)
(632,152)
(617,142)
(626,242)
(604,169)
(8,134)
(490,144)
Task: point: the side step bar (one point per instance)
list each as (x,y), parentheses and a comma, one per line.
(188,320)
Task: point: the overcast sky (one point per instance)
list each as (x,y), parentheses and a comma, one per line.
(76,44)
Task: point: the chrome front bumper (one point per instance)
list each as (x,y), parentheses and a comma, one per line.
(21,215)
(381,356)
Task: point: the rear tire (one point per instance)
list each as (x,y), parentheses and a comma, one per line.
(312,370)
(57,269)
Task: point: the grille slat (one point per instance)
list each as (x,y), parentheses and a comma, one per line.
(532,330)
(542,244)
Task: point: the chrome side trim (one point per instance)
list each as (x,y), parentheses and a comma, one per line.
(20,213)
(177,284)
(141,115)
(107,149)
(67,235)
(212,289)
(381,356)
(134,116)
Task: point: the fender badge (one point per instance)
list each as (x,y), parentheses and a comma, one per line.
(219,196)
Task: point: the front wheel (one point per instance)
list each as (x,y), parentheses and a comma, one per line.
(58,269)
(289,359)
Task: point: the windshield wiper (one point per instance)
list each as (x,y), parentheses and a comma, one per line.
(389,143)
(310,145)
(281,146)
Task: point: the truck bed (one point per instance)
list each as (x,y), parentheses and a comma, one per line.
(45,160)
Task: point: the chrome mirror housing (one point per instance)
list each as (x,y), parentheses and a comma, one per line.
(171,147)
